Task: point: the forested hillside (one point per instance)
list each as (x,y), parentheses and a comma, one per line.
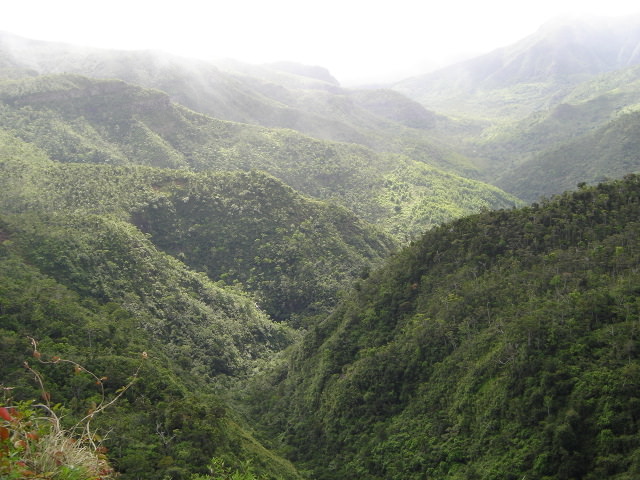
(499,346)
(281,95)
(292,253)
(94,290)
(113,199)
(89,286)
(81,278)
(250,272)
(590,135)
(76,119)
(548,112)
(481,118)
(606,152)
(519,79)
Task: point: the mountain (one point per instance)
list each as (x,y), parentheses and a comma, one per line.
(77,274)
(144,242)
(314,72)
(94,291)
(292,253)
(82,120)
(531,74)
(587,137)
(546,113)
(235,293)
(502,345)
(86,283)
(610,151)
(282,95)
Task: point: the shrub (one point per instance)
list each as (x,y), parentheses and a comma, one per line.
(34,443)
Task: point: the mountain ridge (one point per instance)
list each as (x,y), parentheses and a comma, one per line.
(255,94)
(528,109)
(559,55)
(78,119)
(491,348)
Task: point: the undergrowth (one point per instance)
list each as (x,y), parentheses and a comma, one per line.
(34,444)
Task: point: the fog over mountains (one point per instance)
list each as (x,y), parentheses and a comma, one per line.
(544,65)
(443,118)
(436,278)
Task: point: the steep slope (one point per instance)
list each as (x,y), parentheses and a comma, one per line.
(91,288)
(548,112)
(587,107)
(94,291)
(589,136)
(76,119)
(610,151)
(283,95)
(292,253)
(531,74)
(502,345)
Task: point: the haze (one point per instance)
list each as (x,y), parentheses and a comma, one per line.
(358,41)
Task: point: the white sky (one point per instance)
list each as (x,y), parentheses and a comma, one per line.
(357,40)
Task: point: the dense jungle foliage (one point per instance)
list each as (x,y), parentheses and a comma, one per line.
(259,303)
(95,290)
(80,120)
(96,244)
(554,109)
(294,254)
(500,346)
(606,152)
(79,277)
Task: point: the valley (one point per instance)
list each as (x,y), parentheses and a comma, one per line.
(267,275)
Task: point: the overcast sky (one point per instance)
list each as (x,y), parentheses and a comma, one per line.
(358,41)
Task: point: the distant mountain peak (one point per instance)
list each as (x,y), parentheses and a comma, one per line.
(560,54)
